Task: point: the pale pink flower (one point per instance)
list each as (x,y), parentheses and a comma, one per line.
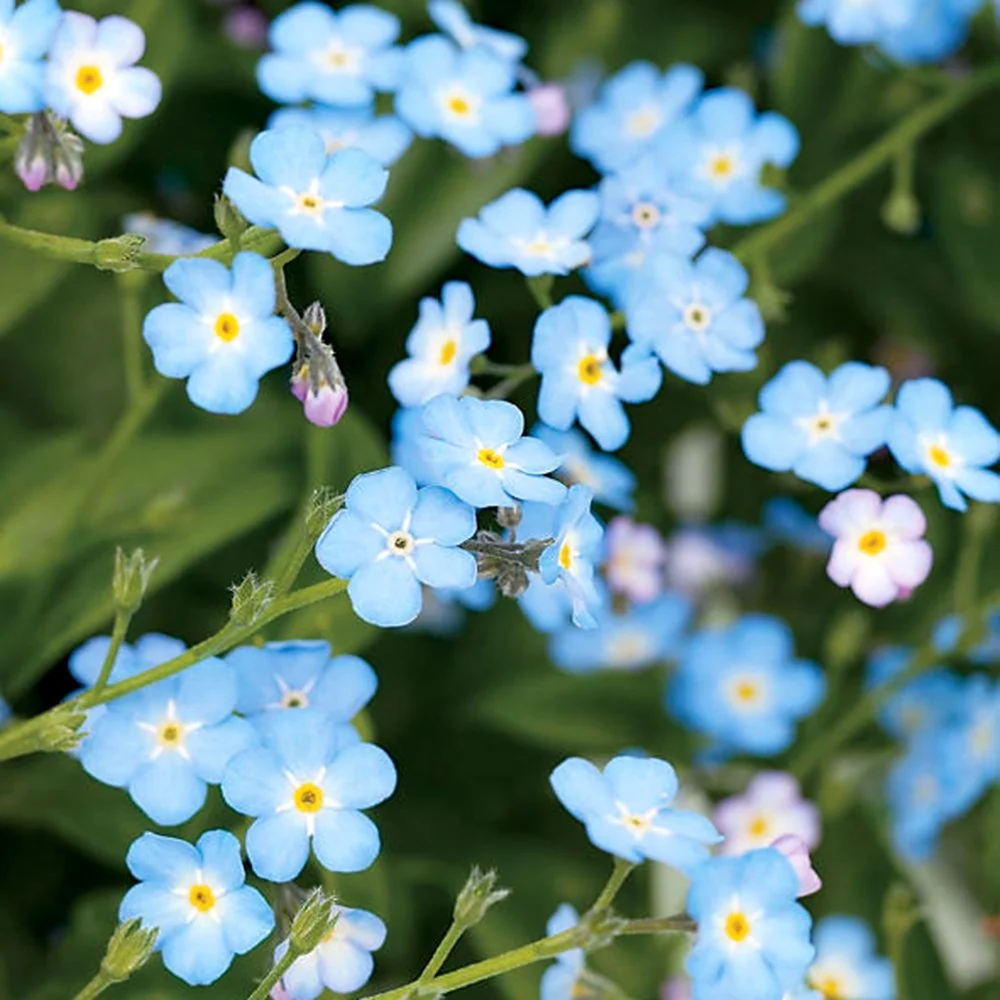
(634,564)
(797,852)
(771,807)
(880,552)
(552,109)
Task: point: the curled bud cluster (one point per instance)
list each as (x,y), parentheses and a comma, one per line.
(49,153)
(317,381)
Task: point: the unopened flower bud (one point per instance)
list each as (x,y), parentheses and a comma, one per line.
(67,162)
(477,895)
(128,950)
(251,596)
(509,517)
(323,504)
(49,153)
(229,220)
(551,107)
(131,578)
(313,922)
(326,407)
(319,385)
(314,317)
(797,852)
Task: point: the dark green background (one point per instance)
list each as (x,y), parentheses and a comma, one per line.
(474,723)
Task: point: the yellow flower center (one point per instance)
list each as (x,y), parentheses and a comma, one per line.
(939,457)
(830,988)
(201,898)
(227,327)
(872,542)
(721,167)
(737,927)
(171,734)
(589,370)
(448,352)
(758,826)
(310,204)
(338,59)
(746,691)
(308,798)
(490,458)
(89,79)
(566,556)
(459,106)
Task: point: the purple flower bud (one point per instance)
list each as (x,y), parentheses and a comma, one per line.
(326,407)
(33,172)
(247,27)
(795,850)
(551,108)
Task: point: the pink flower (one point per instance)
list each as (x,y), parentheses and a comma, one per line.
(322,402)
(880,552)
(635,555)
(797,852)
(771,807)
(552,109)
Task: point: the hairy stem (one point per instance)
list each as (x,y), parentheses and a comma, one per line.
(272,979)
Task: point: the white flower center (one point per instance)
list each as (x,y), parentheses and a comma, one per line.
(400,543)
(643,122)
(697,317)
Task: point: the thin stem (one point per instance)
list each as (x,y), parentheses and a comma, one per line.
(976,527)
(867,707)
(519,374)
(869,162)
(95,987)
(541,290)
(272,979)
(130,292)
(619,874)
(118,633)
(442,951)
(661,925)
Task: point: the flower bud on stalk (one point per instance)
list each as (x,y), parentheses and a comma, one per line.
(317,381)
(49,153)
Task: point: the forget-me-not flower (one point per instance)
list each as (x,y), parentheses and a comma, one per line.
(406,435)
(771,807)
(301,674)
(517,230)
(165,235)
(634,560)
(316,201)
(308,783)
(453,19)
(627,810)
(821,428)
(579,382)
(223,336)
(954,445)
(573,556)
(641,213)
(787,522)
(633,108)
(694,314)
(390,537)
(26,31)
(880,551)
(753,937)
(847,965)
(91,77)
(936,30)
(853,23)
(196,898)
(339,58)
(441,345)
(383,137)
(927,701)
(611,481)
(560,979)
(743,686)
(464,96)
(547,606)
(476,448)
(168,741)
(342,962)
(718,153)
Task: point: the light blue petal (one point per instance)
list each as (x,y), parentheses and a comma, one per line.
(725,114)
(360,776)
(33,25)
(345,840)
(926,402)
(86,661)
(604,417)
(721,276)
(641,376)
(253,284)
(843,935)
(679,852)
(611,836)
(302,980)
(262,205)
(384,497)
(222,385)
(345,687)
(681,354)
(493,422)
(201,284)
(532,455)
(772,442)
(254,782)
(980,484)
(156,905)
(973,436)
(775,139)
(221,859)
(180,342)
(558,396)
(368,26)
(167,789)
(437,566)
(902,441)
(740,326)
(483,244)
(267,344)
(530,487)
(794,392)
(206,693)
(198,953)
(353,178)
(358,236)
(115,749)
(582,789)
(573,214)
(830,465)
(213,747)
(439,515)
(246,919)
(285,79)
(855,386)
(385,593)
(22,88)
(345,967)
(278,846)
(641,783)
(516,213)
(164,860)
(867,432)
(513,119)
(348,542)
(302,28)
(289,157)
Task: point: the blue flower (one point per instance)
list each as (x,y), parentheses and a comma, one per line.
(307,783)
(165,235)
(316,201)
(26,31)
(743,686)
(197,900)
(694,315)
(453,19)
(634,107)
(975,736)
(954,445)
(441,345)
(223,336)
(167,742)
(559,980)
(342,962)
(339,58)
(787,522)
(301,674)
(383,137)
(91,77)
(719,151)
(627,812)
(517,230)
(926,701)
(852,23)
(475,448)
(632,640)
(846,963)
(821,428)
(753,938)
(547,606)
(612,482)
(641,213)
(443,611)
(574,554)
(390,537)
(936,30)
(579,382)
(464,96)
(407,431)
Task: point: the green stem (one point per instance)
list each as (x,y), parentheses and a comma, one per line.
(869,162)
(519,374)
(95,987)
(272,979)
(976,527)
(118,632)
(442,951)
(619,874)
(865,709)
